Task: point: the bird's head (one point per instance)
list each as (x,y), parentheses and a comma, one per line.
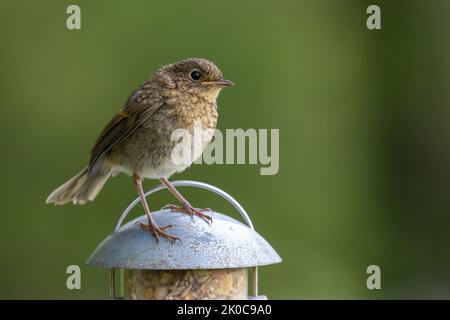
(195,76)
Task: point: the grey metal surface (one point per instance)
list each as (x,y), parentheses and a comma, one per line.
(227,243)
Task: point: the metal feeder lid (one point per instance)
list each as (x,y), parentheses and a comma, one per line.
(227,243)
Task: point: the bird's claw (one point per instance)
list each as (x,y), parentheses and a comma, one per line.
(159,231)
(190,210)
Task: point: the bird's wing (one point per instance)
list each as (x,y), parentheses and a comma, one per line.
(139,107)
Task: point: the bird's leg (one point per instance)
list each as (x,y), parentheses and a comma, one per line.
(185,205)
(151,226)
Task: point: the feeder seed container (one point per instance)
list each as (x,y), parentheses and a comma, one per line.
(211,262)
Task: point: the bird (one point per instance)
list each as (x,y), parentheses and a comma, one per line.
(138,141)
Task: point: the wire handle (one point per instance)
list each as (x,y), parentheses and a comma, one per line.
(199,185)
(189,183)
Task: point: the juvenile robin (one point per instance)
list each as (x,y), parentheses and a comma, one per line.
(138,140)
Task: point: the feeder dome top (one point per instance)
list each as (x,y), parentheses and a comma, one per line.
(227,243)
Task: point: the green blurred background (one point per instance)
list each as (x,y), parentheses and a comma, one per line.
(364,123)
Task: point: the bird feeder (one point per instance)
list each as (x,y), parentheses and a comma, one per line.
(210,262)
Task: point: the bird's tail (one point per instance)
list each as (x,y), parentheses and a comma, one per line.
(80,189)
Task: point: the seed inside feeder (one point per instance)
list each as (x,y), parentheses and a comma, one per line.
(202,284)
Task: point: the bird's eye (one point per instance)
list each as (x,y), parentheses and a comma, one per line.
(195,75)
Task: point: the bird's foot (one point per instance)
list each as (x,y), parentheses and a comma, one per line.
(159,231)
(190,210)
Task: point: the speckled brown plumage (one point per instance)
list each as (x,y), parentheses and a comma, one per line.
(149,148)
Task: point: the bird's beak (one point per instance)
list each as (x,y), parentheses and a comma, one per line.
(220,83)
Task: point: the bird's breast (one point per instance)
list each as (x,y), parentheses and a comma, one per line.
(149,150)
